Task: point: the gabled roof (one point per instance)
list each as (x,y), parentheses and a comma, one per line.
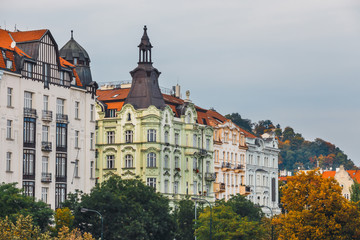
(28,36)
(328,174)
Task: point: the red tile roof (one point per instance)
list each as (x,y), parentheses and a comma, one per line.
(354,174)
(328,174)
(28,36)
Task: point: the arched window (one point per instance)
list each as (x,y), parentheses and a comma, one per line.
(188,118)
(151,160)
(129,161)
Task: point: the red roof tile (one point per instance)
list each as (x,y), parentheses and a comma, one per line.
(27,36)
(354,174)
(328,174)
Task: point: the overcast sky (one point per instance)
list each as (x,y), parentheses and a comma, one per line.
(296,63)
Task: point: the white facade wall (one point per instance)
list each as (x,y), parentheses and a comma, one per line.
(261,171)
(85,154)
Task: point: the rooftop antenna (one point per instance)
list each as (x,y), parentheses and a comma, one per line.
(15,28)
(72,34)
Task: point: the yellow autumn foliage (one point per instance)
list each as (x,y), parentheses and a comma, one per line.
(315,209)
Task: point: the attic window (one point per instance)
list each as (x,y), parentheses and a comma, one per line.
(75,61)
(115,95)
(204,121)
(8,64)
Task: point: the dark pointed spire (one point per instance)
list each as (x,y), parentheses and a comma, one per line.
(145,48)
(145,90)
(72,34)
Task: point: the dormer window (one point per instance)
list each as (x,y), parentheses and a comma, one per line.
(129,117)
(29,68)
(8,64)
(75,61)
(115,95)
(73,81)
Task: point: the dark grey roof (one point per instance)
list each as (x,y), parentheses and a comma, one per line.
(73,50)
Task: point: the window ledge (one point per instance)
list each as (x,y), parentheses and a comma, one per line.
(9,171)
(10,139)
(77,177)
(77,119)
(10,107)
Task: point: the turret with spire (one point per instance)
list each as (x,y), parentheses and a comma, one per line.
(145,90)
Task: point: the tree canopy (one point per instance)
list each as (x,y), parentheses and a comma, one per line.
(13,203)
(130,210)
(238,120)
(316,209)
(235,219)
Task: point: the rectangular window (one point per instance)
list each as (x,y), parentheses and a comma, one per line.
(61,136)
(45,165)
(46,102)
(112,112)
(60,194)
(8,129)
(128,136)
(9,64)
(29,164)
(29,188)
(29,131)
(77,104)
(44,194)
(207,144)
(61,167)
(166,186)
(110,137)
(92,169)
(176,187)
(29,70)
(195,187)
(91,141)
(177,162)
(46,76)
(177,136)
(9,97)
(60,105)
(8,161)
(76,168)
(110,160)
(91,112)
(76,139)
(27,99)
(61,78)
(45,133)
(194,164)
(194,140)
(151,182)
(151,135)
(273,189)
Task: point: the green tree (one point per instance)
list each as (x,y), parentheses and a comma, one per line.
(244,207)
(227,225)
(355,192)
(184,214)
(13,203)
(130,210)
(238,120)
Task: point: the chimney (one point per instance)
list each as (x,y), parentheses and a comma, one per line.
(177,91)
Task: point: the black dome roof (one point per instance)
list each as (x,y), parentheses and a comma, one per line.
(73,50)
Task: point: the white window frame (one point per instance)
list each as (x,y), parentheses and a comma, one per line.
(129,161)
(110,161)
(8,161)
(151,160)
(8,129)
(129,136)
(9,97)
(151,135)
(110,137)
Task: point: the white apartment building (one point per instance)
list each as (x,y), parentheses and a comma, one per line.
(47,123)
(262,171)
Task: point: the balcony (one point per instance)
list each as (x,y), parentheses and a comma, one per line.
(47,116)
(219,187)
(30,112)
(63,118)
(239,168)
(245,190)
(46,177)
(210,176)
(46,146)
(225,166)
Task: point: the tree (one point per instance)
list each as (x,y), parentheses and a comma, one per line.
(130,210)
(263,126)
(75,234)
(227,225)
(316,210)
(238,120)
(63,218)
(184,215)
(23,228)
(14,203)
(355,192)
(238,218)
